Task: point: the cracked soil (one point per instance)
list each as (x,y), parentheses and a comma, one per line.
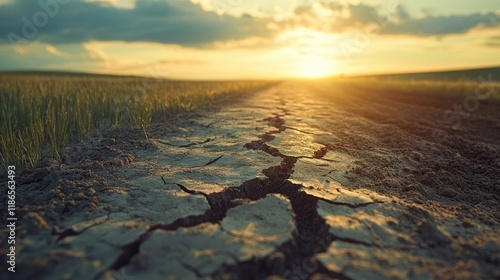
(292,182)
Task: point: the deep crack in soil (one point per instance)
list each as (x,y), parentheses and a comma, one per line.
(294,258)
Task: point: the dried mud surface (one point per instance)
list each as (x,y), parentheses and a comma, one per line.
(294,182)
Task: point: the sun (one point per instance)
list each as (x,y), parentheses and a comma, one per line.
(309,53)
(314,67)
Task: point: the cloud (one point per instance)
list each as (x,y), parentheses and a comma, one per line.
(122,4)
(338,18)
(187,24)
(53,50)
(171,22)
(493,42)
(96,53)
(444,25)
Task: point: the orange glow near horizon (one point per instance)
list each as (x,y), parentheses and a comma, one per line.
(312,53)
(314,68)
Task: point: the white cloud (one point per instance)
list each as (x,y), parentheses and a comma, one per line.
(53,50)
(3,2)
(120,4)
(95,52)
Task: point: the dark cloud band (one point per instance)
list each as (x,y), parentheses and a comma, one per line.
(74,21)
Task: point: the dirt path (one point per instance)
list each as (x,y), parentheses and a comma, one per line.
(286,184)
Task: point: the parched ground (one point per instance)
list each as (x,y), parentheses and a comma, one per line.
(299,181)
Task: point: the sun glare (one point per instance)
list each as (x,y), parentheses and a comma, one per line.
(311,52)
(313,68)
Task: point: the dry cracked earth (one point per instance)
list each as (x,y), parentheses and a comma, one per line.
(287,183)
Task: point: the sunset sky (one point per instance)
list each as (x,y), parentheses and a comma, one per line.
(233,39)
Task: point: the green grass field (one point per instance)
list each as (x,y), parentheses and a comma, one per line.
(40,114)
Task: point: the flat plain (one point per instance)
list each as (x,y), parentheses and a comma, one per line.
(345,178)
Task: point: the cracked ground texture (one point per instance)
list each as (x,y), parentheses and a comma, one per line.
(292,182)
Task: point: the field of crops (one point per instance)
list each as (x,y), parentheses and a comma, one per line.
(39,115)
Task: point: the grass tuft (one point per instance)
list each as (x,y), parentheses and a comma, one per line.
(40,115)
